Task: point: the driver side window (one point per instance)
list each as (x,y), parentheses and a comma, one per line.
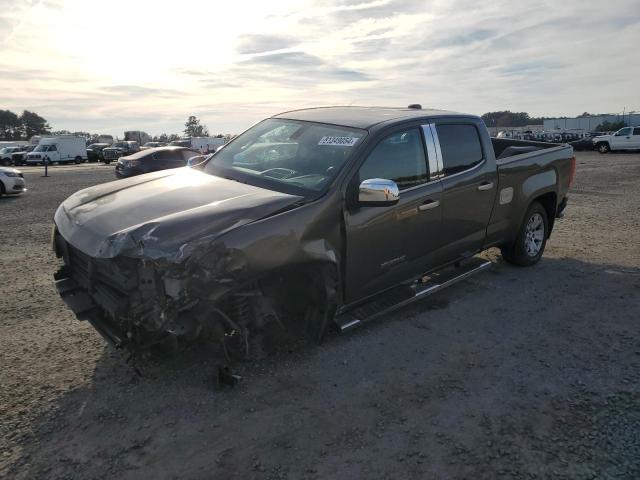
(399,157)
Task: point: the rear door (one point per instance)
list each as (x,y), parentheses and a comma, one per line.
(635,138)
(469,186)
(387,245)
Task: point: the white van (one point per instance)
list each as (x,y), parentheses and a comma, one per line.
(62,149)
(201,144)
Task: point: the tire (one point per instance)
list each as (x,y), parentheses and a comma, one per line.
(529,245)
(603,147)
(5,162)
(2,190)
(78,160)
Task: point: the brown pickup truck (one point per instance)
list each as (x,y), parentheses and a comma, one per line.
(311,218)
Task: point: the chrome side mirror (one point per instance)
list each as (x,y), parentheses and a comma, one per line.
(378,192)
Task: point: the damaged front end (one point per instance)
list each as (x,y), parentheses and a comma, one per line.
(185,255)
(137,303)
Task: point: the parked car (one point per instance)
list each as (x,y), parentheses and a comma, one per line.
(311,218)
(60,149)
(627,138)
(94,151)
(6,155)
(152,145)
(20,158)
(152,160)
(119,149)
(11,181)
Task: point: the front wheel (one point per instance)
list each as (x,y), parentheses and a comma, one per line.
(531,240)
(603,147)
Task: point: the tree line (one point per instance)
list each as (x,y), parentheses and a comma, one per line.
(23,126)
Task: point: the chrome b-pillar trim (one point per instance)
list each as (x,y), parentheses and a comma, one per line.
(433,151)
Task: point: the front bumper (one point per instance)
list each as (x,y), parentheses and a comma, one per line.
(14,185)
(95,290)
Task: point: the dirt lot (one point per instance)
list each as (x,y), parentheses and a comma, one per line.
(516,373)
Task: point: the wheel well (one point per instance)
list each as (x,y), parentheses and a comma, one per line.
(2,189)
(550,202)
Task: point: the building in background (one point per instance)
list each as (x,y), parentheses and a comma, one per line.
(590,124)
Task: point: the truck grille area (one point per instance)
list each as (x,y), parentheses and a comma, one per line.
(96,290)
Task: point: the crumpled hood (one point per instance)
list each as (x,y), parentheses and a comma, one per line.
(161,214)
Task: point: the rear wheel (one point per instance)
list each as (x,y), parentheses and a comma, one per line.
(78,160)
(531,240)
(603,147)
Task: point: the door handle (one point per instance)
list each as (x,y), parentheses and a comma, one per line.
(485,186)
(429,204)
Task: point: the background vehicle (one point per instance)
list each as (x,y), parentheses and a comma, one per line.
(6,155)
(201,144)
(152,160)
(13,143)
(332,215)
(137,136)
(62,149)
(118,150)
(152,145)
(627,138)
(19,158)
(108,139)
(11,181)
(94,151)
(584,143)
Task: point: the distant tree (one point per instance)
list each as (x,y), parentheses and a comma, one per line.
(61,132)
(172,137)
(32,124)
(194,129)
(610,126)
(507,118)
(9,125)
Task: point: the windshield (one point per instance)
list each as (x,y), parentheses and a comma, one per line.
(286,155)
(120,145)
(41,148)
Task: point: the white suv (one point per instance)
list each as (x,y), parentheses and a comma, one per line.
(627,138)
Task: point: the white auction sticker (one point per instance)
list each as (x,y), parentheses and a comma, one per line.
(338,141)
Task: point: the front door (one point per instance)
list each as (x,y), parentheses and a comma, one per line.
(469,188)
(387,245)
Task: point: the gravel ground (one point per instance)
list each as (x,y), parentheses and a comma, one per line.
(515,373)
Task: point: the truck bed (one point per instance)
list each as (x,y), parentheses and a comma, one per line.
(507,148)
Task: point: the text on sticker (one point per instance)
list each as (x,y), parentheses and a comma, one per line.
(338,141)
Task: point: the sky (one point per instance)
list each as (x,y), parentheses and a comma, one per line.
(107,67)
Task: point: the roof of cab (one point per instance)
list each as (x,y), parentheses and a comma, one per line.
(360,117)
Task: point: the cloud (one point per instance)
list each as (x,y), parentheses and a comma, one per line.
(249,44)
(547,58)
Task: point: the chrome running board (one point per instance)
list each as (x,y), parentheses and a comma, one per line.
(401,296)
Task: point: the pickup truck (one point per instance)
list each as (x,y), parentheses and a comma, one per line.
(310,219)
(627,138)
(119,149)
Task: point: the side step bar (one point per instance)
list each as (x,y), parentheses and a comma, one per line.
(403,295)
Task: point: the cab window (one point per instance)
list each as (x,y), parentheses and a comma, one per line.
(399,157)
(460,146)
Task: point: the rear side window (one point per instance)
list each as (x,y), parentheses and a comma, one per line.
(636,131)
(399,157)
(460,146)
